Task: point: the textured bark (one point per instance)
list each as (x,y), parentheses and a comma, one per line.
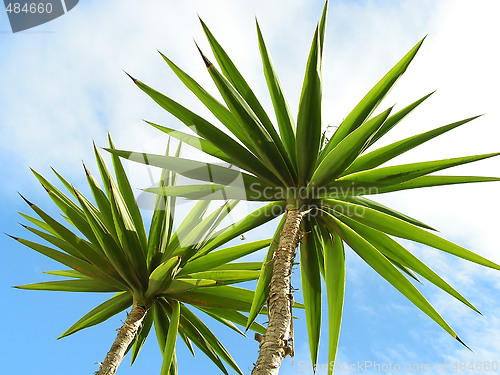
(277,343)
(126,335)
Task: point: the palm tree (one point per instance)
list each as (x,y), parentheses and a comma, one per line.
(323,184)
(159,274)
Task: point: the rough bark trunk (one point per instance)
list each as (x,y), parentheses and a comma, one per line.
(276,343)
(126,335)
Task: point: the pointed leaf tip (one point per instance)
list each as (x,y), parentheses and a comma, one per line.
(15,238)
(86,170)
(163,55)
(205,60)
(132,78)
(27,201)
(461,342)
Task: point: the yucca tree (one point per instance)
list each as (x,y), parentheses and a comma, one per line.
(322,183)
(160,275)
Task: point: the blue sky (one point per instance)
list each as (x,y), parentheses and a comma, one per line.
(63,86)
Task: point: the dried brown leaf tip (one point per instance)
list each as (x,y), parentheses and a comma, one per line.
(132,78)
(15,238)
(27,201)
(86,170)
(77,193)
(461,342)
(205,60)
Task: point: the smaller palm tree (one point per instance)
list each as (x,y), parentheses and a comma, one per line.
(159,274)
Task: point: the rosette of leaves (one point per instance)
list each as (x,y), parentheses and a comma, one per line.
(164,275)
(323,182)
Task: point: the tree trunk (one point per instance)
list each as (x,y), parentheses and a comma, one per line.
(275,344)
(126,335)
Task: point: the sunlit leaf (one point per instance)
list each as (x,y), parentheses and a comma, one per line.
(311,289)
(101,313)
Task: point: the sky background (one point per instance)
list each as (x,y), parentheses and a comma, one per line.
(63,86)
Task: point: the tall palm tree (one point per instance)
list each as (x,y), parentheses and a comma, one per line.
(322,182)
(159,274)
